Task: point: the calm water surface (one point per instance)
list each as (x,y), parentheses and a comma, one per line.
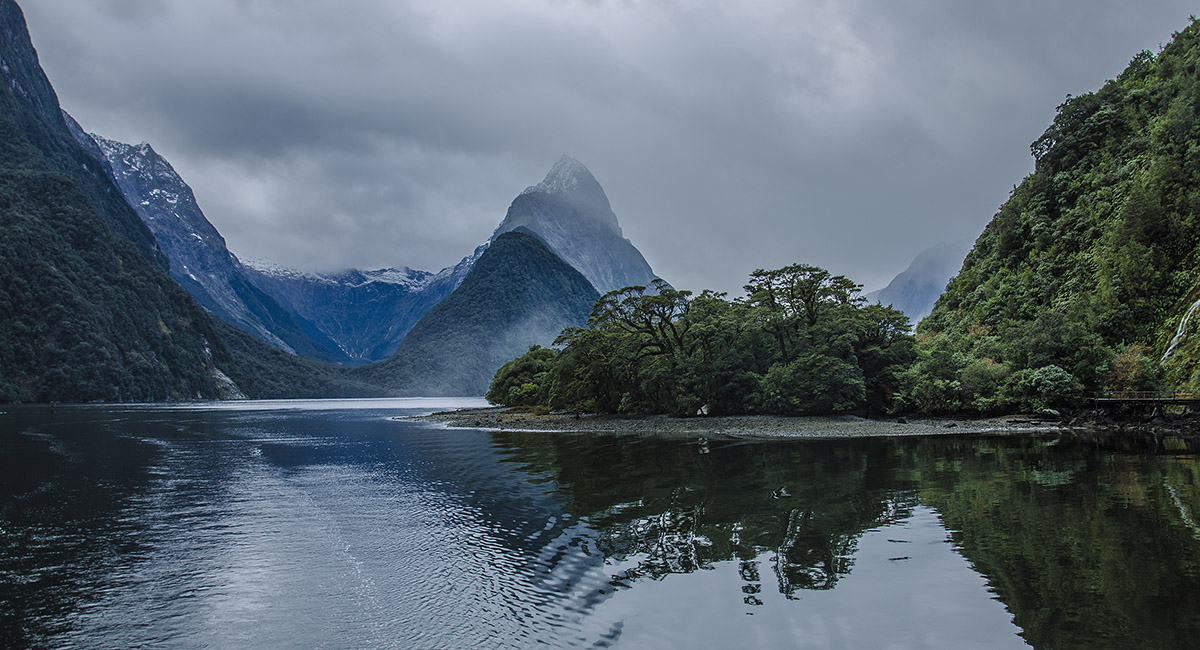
(328,525)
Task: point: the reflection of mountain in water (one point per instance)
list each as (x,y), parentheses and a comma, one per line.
(679,508)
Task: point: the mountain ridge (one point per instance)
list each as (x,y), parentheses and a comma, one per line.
(198,257)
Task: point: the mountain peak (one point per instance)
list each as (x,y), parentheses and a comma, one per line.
(576,192)
(567,175)
(570,213)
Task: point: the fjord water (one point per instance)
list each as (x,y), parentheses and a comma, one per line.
(329,525)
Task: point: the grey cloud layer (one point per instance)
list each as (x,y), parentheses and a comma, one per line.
(729,136)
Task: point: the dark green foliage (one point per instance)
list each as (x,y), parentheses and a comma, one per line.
(1097,250)
(523,381)
(518,294)
(814,383)
(800,343)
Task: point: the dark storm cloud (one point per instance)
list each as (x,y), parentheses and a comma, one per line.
(728,136)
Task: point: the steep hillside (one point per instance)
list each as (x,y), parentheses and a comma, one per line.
(1082,278)
(199,260)
(87,311)
(518,294)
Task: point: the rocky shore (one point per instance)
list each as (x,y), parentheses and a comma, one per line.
(738,426)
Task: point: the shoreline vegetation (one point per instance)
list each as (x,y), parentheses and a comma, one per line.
(500,418)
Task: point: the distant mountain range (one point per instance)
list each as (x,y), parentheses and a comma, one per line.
(366,313)
(915,290)
(353,317)
(359,317)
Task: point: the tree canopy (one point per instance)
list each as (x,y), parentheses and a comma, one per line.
(801,341)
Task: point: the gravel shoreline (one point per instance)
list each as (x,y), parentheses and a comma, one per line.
(736,426)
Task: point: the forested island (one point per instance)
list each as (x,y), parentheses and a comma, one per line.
(801,341)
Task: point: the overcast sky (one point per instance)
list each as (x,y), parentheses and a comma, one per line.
(729,136)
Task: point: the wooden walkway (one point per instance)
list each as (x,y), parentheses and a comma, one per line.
(1147,398)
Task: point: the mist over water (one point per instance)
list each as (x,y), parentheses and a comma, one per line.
(328,524)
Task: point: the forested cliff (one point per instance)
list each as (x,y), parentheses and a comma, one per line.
(1081,280)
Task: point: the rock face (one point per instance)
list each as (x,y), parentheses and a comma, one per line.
(917,289)
(353,317)
(570,212)
(199,259)
(87,311)
(518,294)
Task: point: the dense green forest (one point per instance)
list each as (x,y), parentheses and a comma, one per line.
(1079,282)
(801,341)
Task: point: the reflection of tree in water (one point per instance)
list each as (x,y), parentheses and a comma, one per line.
(677,507)
(1086,547)
(1092,545)
(809,559)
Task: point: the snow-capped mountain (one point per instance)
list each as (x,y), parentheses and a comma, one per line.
(348,317)
(367,313)
(199,260)
(570,212)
